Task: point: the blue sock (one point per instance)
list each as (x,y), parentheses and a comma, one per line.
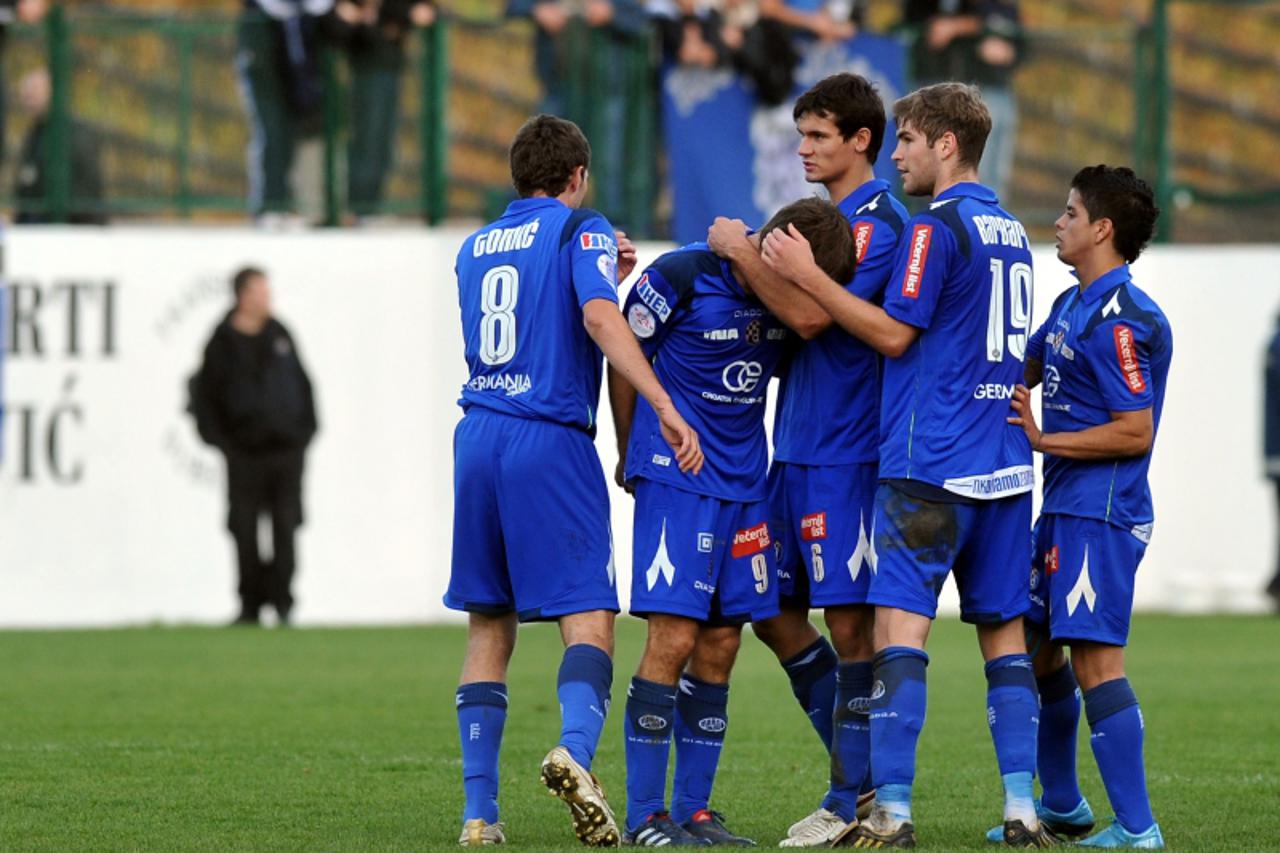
(1116,725)
(813,681)
(482,712)
(1056,746)
(651,710)
(586,676)
(1013,712)
(897,716)
(851,741)
(701,720)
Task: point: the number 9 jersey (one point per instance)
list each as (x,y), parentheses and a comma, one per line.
(963,277)
(522,282)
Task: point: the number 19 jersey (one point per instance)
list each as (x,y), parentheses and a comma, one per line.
(963,277)
(522,282)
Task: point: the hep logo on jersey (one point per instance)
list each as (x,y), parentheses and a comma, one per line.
(593,241)
(921,236)
(753,540)
(650,296)
(1127,355)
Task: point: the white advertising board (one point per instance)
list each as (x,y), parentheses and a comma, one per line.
(112,512)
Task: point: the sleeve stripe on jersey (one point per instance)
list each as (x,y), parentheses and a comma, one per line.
(921,236)
(1127,356)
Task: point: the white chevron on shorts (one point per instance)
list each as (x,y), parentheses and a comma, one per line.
(1082,589)
(865,549)
(661,562)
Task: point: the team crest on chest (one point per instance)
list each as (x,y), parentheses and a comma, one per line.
(753,332)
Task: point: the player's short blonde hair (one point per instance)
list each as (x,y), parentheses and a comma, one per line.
(954,107)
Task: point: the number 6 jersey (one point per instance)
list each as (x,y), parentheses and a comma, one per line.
(963,277)
(522,282)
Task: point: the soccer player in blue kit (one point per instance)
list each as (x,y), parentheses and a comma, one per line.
(1102,359)
(531,538)
(822,483)
(704,561)
(955,477)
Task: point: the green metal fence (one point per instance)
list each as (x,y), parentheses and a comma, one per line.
(155,100)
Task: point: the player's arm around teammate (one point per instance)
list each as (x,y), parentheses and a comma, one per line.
(822,482)
(1103,359)
(954,479)
(705,541)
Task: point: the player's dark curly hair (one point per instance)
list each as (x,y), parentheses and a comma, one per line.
(850,102)
(942,107)
(827,231)
(1116,193)
(544,154)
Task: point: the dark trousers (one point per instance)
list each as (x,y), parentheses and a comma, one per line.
(268,482)
(375,102)
(273,128)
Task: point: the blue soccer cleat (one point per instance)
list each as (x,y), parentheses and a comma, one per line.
(1116,835)
(1067,825)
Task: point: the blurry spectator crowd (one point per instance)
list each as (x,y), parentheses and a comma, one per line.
(279,44)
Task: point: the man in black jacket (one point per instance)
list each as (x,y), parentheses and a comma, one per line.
(252,400)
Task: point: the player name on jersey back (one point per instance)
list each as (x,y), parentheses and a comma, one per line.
(963,278)
(522,284)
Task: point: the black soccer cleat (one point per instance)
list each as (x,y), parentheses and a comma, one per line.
(709,825)
(659,830)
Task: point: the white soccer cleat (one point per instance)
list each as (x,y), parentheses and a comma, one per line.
(593,820)
(477,833)
(816,830)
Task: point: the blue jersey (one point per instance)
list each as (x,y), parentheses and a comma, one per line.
(829,402)
(714,348)
(522,282)
(1104,350)
(963,277)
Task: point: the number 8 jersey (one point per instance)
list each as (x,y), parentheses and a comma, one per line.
(522,282)
(963,277)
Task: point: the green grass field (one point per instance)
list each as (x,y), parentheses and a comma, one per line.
(178,739)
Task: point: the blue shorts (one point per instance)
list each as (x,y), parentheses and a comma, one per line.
(986,545)
(822,517)
(702,557)
(530,520)
(1082,575)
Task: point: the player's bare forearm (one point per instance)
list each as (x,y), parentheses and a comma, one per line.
(787,252)
(867,322)
(795,308)
(1127,434)
(611,333)
(728,238)
(622,403)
